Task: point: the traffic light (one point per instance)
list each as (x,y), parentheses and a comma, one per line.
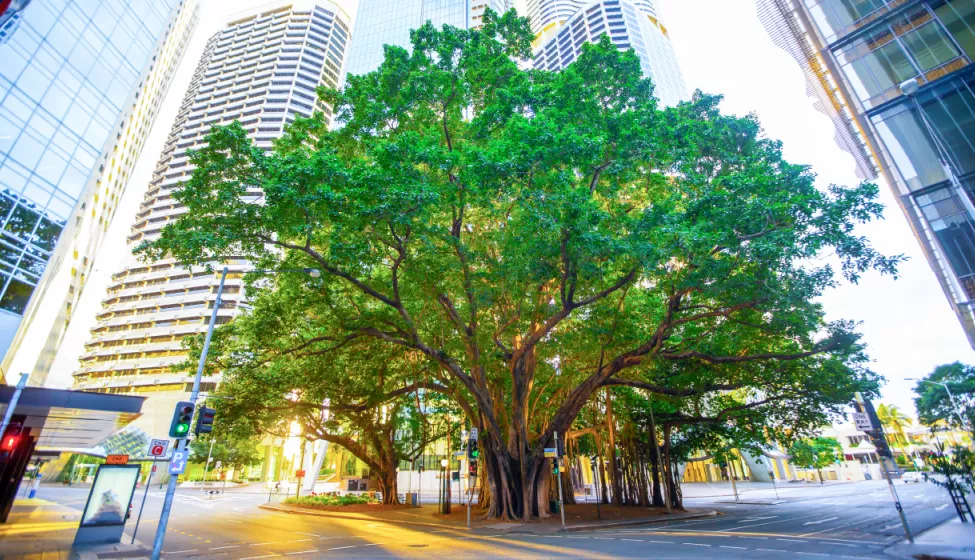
(182,417)
(10,439)
(472,451)
(204,420)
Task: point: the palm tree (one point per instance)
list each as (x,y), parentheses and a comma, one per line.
(895,422)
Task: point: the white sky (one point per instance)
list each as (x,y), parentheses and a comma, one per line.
(907,323)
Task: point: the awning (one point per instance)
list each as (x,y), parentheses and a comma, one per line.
(63,420)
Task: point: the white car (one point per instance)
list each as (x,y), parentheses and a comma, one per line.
(912,476)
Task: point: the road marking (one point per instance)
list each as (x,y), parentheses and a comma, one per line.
(735,547)
(657,542)
(758,518)
(375,544)
(790,540)
(223,547)
(232,521)
(301,540)
(632,540)
(182,551)
(755,538)
(939,508)
(307,551)
(338,548)
(264,543)
(770,549)
(307,534)
(820,521)
(256,557)
(695,544)
(604,538)
(919,496)
(578,537)
(839,544)
(813,553)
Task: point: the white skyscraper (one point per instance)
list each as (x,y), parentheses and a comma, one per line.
(261,70)
(563,26)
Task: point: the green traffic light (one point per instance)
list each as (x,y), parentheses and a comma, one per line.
(182,428)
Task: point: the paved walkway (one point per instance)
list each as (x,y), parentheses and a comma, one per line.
(953,540)
(577,518)
(43,530)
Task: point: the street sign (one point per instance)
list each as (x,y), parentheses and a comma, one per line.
(158,447)
(459,453)
(219,464)
(300,473)
(178,463)
(473,435)
(550,453)
(862,421)
(117,460)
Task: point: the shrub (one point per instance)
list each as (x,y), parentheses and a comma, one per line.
(331,500)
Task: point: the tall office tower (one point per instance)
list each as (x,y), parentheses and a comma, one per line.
(386,22)
(563,26)
(69,75)
(49,312)
(261,70)
(897,79)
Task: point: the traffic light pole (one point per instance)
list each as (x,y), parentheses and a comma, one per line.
(13,403)
(181,443)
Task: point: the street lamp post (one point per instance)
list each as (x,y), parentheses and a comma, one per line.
(181,443)
(443,485)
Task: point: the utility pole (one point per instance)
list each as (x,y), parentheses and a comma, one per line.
(883,450)
(207,466)
(157,543)
(558,476)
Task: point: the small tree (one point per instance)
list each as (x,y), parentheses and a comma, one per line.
(232,451)
(934,404)
(955,472)
(816,453)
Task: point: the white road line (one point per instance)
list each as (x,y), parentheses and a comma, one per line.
(695,544)
(340,548)
(604,538)
(767,523)
(223,547)
(662,542)
(754,538)
(770,549)
(307,534)
(256,557)
(182,551)
(820,521)
(812,553)
(939,508)
(578,537)
(844,525)
(919,496)
(839,544)
(632,540)
(375,544)
(301,540)
(304,552)
(790,540)
(264,543)
(735,547)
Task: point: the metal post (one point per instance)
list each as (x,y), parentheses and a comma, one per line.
(13,403)
(207,466)
(731,475)
(157,543)
(145,494)
(558,460)
(951,398)
(897,501)
(660,463)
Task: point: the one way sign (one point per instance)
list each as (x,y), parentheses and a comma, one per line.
(178,463)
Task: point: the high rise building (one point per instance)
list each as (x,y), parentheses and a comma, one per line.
(896,77)
(56,295)
(70,73)
(562,27)
(261,70)
(385,22)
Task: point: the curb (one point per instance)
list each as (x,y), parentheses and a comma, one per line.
(573,528)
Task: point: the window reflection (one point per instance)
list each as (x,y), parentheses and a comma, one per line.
(955,233)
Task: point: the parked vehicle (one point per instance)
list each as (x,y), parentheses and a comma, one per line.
(912,476)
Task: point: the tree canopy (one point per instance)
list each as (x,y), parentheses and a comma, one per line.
(933,402)
(519,239)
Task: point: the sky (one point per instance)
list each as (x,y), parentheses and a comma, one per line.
(907,323)
(722,48)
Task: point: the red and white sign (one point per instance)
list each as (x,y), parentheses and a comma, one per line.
(117,459)
(157,447)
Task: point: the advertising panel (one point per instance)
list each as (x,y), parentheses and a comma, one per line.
(111,493)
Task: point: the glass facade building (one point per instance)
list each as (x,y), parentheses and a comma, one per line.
(629,24)
(262,70)
(59,291)
(68,70)
(386,22)
(896,76)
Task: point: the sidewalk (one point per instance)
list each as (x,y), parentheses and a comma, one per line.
(952,540)
(581,517)
(43,530)
(765,493)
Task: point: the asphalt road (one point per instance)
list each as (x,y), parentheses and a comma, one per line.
(839,521)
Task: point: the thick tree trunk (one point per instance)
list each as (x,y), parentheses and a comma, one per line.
(387,485)
(614,471)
